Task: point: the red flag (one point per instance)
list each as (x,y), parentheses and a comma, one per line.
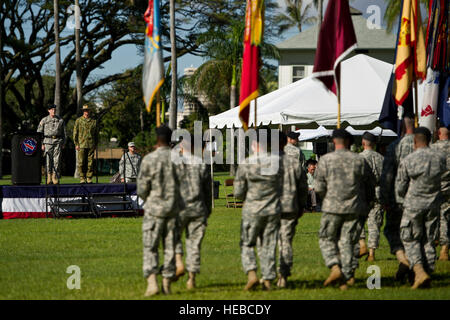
(251,58)
(336,40)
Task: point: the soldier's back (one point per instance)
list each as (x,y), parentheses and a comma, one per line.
(404,147)
(293,179)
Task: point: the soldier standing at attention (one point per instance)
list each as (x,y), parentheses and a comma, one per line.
(344,181)
(54,130)
(158,186)
(443,145)
(375,218)
(293,202)
(418,187)
(292,149)
(195,190)
(396,151)
(259,183)
(84,137)
(132,162)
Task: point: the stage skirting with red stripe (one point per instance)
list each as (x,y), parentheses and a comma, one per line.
(20,202)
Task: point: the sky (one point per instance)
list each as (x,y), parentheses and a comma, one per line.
(127,57)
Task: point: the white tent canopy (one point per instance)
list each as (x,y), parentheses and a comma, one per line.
(314,134)
(363,86)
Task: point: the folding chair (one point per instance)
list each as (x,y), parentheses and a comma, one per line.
(232,202)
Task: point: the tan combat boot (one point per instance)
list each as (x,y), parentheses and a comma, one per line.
(152,286)
(190,284)
(166,286)
(362,248)
(282,281)
(55,178)
(49,178)
(252,281)
(180,271)
(335,275)
(403,267)
(443,256)
(422,279)
(351,282)
(89,180)
(267,284)
(82,179)
(371,257)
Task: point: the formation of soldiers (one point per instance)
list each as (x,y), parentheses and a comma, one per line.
(411,183)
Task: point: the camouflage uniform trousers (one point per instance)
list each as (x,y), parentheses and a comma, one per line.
(156,230)
(194,228)
(444,235)
(264,230)
(53,158)
(374,223)
(361,231)
(286,235)
(392,229)
(338,235)
(419,230)
(86,162)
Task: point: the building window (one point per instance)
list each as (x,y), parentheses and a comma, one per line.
(298,73)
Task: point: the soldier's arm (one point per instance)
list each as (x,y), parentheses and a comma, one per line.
(75,134)
(143,182)
(320,183)
(240,183)
(401,182)
(121,167)
(40,128)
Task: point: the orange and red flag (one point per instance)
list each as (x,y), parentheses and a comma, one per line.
(410,62)
(251,60)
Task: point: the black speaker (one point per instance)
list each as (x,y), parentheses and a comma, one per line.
(26,155)
(320,148)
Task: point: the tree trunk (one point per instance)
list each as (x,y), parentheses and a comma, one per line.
(78,72)
(320,9)
(232,105)
(173,90)
(57,59)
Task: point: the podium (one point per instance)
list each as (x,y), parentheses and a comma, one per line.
(26,155)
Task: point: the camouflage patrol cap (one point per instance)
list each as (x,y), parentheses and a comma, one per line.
(423,131)
(369,137)
(131,144)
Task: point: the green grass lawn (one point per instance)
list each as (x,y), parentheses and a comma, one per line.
(35,253)
(6,180)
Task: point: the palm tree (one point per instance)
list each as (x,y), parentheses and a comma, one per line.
(393,11)
(319,5)
(294,16)
(57,58)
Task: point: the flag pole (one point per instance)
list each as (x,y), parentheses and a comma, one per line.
(158,109)
(416,112)
(339,110)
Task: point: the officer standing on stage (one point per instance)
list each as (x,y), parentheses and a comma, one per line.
(346,184)
(418,187)
(292,149)
(131,160)
(84,137)
(54,130)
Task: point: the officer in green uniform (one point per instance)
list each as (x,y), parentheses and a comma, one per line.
(84,137)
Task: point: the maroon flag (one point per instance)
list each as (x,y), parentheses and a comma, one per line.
(336,40)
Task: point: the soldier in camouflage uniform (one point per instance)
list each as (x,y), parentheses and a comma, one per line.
(196,203)
(395,152)
(443,145)
(346,184)
(54,131)
(158,186)
(130,164)
(293,202)
(375,218)
(259,183)
(84,137)
(292,149)
(418,187)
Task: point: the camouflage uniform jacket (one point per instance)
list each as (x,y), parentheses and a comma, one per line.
(295,187)
(418,182)
(53,129)
(259,183)
(195,187)
(132,165)
(157,184)
(295,152)
(444,147)
(375,161)
(84,134)
(345,182)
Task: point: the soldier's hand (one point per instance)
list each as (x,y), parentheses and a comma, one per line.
(77,148)
(122,180)
(43,147)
